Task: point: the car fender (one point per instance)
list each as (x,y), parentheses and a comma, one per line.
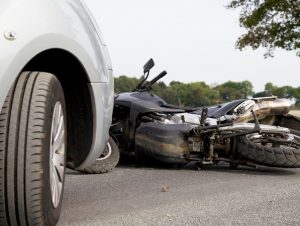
(42,25)
(29,27)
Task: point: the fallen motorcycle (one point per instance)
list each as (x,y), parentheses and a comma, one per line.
(255,131)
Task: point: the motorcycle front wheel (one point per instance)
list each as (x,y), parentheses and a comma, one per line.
(107,161)
(270,150)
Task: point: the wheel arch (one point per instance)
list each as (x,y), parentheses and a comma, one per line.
(78,95)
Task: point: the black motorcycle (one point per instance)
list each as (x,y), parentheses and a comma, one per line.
(246,131)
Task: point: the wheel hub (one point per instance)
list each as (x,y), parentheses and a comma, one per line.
(106,153)
(57,154)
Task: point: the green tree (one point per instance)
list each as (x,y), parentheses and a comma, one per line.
(235,90)
(261,94)
(296,95)
(269,88)
(270,24)
(125,84)
(200,94)
(282,92)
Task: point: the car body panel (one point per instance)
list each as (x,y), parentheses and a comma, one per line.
(41,25)
(100,134)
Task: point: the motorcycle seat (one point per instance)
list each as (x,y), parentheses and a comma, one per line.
(219,110)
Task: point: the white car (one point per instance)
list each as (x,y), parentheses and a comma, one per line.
(56,96)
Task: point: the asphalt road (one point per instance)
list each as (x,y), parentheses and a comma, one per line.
(133,195)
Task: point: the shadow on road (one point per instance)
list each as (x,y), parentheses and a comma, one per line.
(131,162)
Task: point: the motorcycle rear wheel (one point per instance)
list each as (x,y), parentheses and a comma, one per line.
(269,151)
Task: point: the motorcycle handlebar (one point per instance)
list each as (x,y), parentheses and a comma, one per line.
(162,74)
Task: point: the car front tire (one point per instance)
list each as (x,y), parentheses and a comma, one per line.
(32,151)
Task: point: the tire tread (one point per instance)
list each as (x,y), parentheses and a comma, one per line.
(22,124)
(268,156)
(106,165)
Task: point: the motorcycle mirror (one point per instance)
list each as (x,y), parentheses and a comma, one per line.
(148,66)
